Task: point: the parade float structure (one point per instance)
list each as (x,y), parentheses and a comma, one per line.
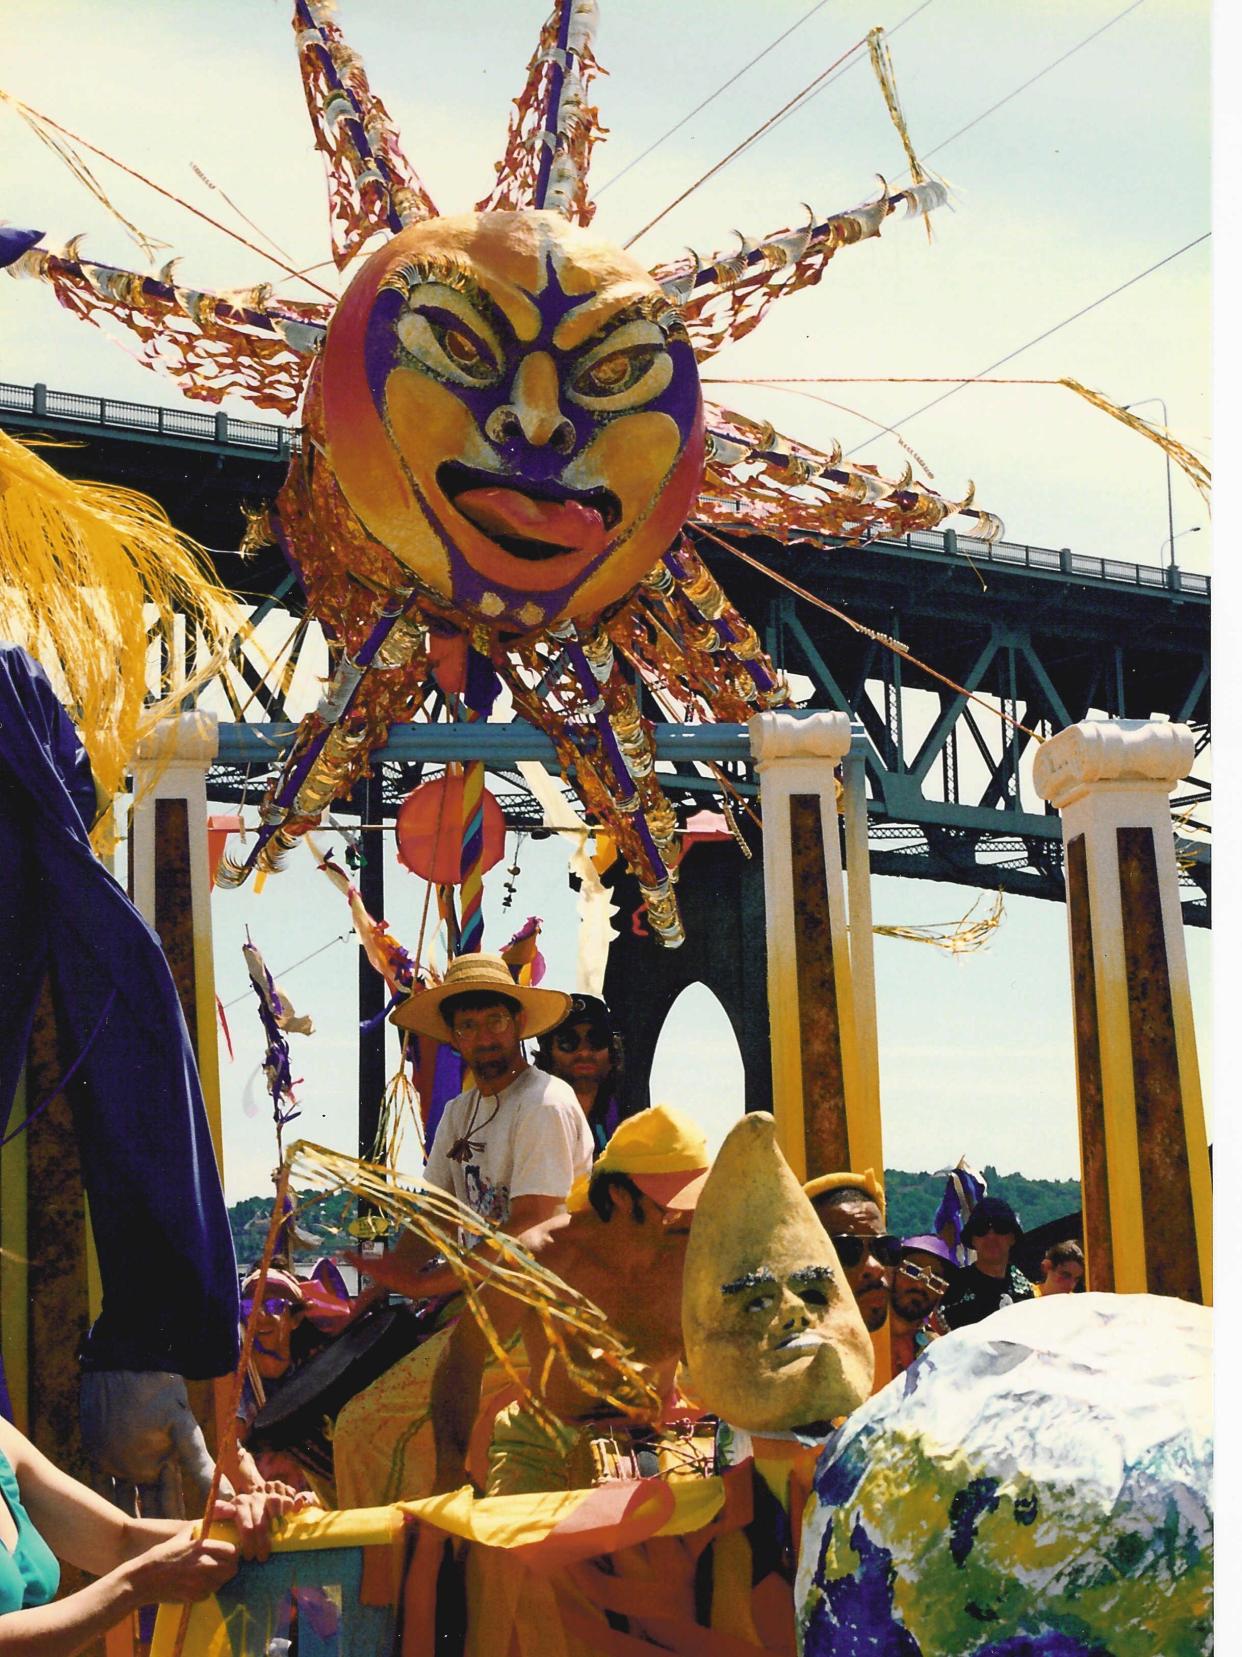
(507,474)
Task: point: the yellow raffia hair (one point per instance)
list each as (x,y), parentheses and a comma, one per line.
(78,563)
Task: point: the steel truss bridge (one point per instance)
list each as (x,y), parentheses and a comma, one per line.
(1043,636)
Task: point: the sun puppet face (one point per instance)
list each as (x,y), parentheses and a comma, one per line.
(513,409)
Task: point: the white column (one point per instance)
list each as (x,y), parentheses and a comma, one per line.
(1146,1179)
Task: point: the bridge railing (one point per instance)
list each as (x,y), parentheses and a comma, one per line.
(1058,560)
(38,402)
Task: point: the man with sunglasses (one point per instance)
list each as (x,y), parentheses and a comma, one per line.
(585,1050)
(920,1282)
(850,1207)
(991,1282)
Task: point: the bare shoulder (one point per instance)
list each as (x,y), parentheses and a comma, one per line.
(15,1445)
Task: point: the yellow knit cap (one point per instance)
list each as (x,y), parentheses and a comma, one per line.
(865,1181)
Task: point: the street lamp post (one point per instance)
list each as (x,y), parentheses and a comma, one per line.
(1194,530)
(1168,466)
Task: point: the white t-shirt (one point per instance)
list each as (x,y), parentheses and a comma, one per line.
(530,1139)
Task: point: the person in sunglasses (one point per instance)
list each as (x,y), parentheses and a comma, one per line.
(991,1282)
(585,1050)
(850,1207)
(920,1282)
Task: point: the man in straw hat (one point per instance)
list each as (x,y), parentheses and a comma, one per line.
(622,1245)
(510,1146)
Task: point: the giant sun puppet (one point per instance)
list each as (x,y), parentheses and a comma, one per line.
(506,455)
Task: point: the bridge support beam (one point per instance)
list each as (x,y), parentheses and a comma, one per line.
(1146,1183)
(826,1114)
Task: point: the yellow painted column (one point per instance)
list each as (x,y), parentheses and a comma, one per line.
(1146,1182)
(869,1147)
(171,877)
(815,1068)
(824,1083)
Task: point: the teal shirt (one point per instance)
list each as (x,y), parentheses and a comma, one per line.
(29,1574)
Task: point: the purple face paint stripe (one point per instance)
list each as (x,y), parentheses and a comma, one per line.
(382,348)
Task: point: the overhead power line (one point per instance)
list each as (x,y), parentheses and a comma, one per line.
(711,97)
(1047,334)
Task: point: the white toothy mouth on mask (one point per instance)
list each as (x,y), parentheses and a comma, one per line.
(804,1340)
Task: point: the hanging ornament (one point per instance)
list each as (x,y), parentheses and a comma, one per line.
(429,831)
(513,871)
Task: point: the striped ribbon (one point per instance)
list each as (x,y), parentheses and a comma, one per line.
(471,936)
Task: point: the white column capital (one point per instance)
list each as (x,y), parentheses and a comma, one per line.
(191,739)
(1120,753)
(786,736)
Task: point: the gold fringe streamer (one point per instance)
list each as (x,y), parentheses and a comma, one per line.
(65,152)
(956,937)
(1189,463)
(78,563)
(882,63)
(577,1332)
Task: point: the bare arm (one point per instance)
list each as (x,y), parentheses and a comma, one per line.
(138,1561)
(529,1211)
(409,1270)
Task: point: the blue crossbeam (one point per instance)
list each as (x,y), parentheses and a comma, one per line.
(500,746)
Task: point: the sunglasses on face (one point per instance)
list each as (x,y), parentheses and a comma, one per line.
(852,1250)
(569,1041)
(928,1280)
(989,1228)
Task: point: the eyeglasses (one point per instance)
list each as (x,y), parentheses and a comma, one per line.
(928,1280)
(569,1041)
(276,1308)
(852,1249)
(988,1228)
(475,1024)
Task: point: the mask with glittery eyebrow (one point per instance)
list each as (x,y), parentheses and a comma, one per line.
(752,1280)
(770,1345)
(514,411)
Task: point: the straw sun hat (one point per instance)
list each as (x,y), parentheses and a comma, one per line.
(421,1012)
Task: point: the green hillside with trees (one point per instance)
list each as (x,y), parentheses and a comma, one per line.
(914,1197)
(912,1201)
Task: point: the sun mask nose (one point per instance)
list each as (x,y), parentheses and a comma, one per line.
(534,411)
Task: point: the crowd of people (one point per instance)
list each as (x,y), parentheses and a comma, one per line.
(600,1195)
(548,1152)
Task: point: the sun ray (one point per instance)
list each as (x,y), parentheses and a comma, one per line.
(213,345)
(723,298)
(553,127)
(372,188)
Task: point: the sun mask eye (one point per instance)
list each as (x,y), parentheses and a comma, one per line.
(622,372)
(444,340)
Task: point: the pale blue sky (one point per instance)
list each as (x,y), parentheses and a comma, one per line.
(1070,189)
